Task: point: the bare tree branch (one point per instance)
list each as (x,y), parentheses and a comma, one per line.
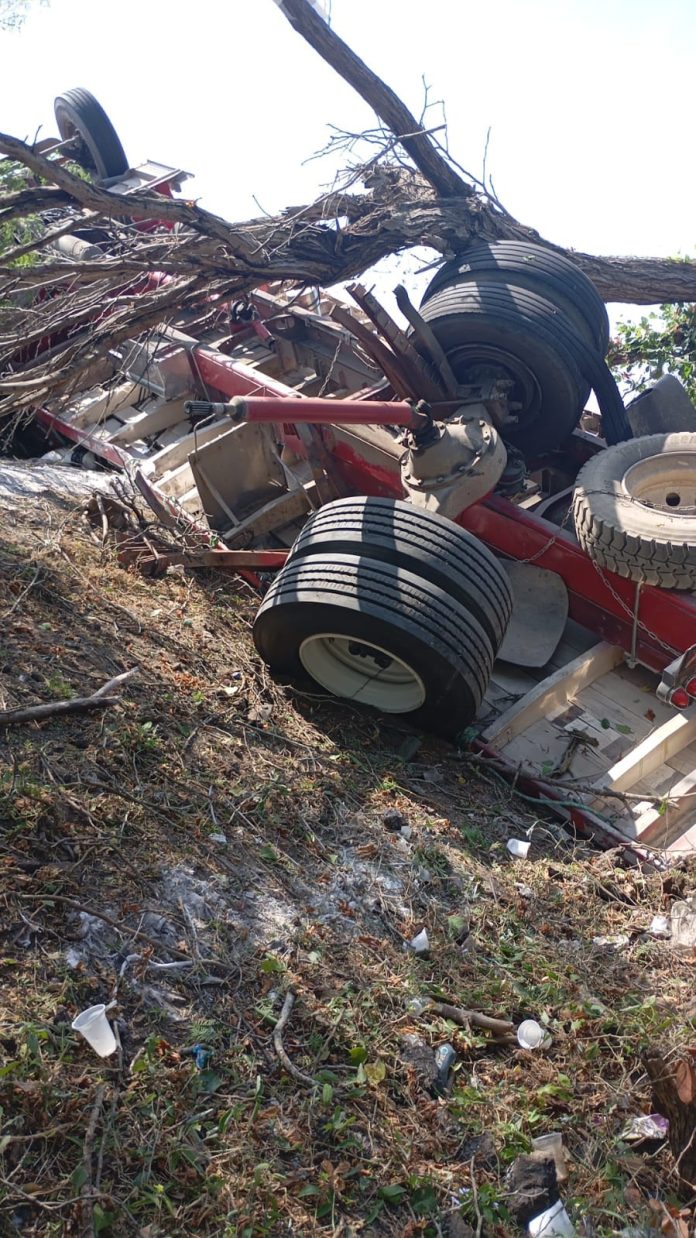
(306,21)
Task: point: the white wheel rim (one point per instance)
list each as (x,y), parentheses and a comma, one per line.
(665,483)
(362,671)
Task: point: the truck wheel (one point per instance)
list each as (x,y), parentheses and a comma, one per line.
(429,545)
(538,269)
(515,335)
(635,509)
(378,635)
(79,115)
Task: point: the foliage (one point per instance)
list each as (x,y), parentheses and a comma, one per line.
(13,13)
(660,343)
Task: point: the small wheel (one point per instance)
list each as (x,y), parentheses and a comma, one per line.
(514,334)
(538,269)
(429,545)
(378,635)
(635,509)
(80,116)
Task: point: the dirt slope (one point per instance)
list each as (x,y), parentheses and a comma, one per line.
(257,840)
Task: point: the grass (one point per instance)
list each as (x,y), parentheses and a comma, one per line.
(111,814)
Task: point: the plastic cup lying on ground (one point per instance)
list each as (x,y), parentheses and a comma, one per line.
(554,1223)
(518,848)
(93,1024)
(531,1035)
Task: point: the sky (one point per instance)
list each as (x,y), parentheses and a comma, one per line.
(587,101)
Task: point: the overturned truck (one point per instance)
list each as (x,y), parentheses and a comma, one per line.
(436,532)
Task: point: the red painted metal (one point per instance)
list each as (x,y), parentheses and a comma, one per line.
(105,451)
(235,378)
(599,600)
(318,411)
(668,616)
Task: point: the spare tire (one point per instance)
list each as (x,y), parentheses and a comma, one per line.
(534,267)
(429,545)
(377,635)
(81,117)
(635,509)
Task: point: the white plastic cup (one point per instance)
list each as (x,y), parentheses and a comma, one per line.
(531,1035)
(518,848)
(553,1223)
(420,944)
(93,1024)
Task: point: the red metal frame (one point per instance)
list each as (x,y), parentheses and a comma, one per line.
(600,600)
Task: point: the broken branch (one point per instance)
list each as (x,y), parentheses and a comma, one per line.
(79,704)
(279,1047)
(306,21)
(473,1018)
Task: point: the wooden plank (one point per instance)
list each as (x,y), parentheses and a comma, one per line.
(273,515)
(653,822)
(652,752)
(552,693)
(159,416)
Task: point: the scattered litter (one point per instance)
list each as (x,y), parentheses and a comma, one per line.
(406,832)
(445,1057)
(418,1004)
(524,891)
(417,1054)
(518,848)
(555,1221)
(94,1026)
(645,1126)
(218,838)
(532,1189)
(200,1055)
(420,943)
(552,1145)
(531,1035)
(684,925)
(617,942)
(394,820)
(660,927)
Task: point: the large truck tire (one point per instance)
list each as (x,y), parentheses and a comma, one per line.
(429,545)
(80,116)
(635,509)
(378,635)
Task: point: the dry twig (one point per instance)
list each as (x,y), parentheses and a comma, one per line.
(79,704)
(279,1047)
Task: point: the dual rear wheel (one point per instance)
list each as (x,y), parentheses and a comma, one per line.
(388,607)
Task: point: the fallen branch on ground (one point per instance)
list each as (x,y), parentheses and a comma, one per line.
(79,704)
(473,1018)
(279,1047)
(89,1230)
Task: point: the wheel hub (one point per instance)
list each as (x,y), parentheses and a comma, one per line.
(664,483)
(362,671)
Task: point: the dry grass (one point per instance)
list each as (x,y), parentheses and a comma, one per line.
(111,814)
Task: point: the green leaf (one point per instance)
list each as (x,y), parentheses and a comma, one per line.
(456,925)
(209,1081)
(392,1193)
(102,1220)
(358,1054)
(269,853)
(78,1177)
(271,965)
(375,1072)
(327,1094)
(623,728)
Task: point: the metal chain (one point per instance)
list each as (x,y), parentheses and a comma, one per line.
(633,614)
(553,540)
